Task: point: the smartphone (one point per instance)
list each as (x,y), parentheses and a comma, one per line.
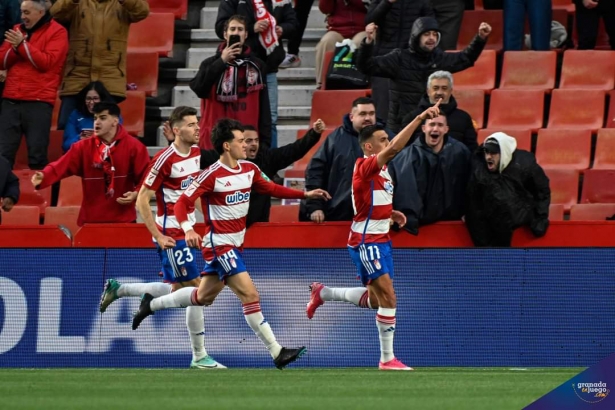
(233,39)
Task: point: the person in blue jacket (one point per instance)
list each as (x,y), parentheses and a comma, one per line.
(80,123)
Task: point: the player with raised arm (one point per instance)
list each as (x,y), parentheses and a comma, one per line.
(369,242)
(170,172)
(224,189)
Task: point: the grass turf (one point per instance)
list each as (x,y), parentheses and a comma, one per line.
(238,389)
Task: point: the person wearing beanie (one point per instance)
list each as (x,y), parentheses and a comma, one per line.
(507,189)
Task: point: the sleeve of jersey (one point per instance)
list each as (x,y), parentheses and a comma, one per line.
(266,187)
(155,176)
(200,186)
(368,168)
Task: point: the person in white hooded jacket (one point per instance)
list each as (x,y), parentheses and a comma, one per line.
(507,189)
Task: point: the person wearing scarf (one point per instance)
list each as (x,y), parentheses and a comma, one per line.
(231,85)
(111,163)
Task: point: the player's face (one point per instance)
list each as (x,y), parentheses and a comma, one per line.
(251,143)
(378,142)
(439,88)
(188,130)
(435,129)
(104,123)
(363,115)
(237,147)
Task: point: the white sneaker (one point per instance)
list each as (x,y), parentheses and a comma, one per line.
(291,61)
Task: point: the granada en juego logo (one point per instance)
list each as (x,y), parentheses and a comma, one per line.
(591,392)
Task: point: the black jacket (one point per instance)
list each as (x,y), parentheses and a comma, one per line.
(270,161)
(409,69)
(9,183)
(285,17)
(430,187)
(502,201)
(331,169)
(460,125)
(394,21)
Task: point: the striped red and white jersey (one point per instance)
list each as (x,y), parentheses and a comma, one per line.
(169,174)
(372,200)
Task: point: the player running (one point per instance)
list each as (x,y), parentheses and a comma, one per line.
(369,242)
(170,172)
(224,189)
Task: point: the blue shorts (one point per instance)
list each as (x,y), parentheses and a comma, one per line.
(228,264)
(372,260)
(179,263)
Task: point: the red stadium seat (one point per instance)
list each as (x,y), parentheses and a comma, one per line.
(564,184)
(40,198)
(605,149)
(71,192)
(563,4)
(479,77)
(529,70)
(556,212)
(21,215)
(523,137)
(63,215)
(331,105)
(133,112)
(179,8)
(470,23)
(303,162)
(591,212)
(153,34)
(577,109)
(516,109)
(610,118)
(564,148)
(473,102)
(142,70)
(588,70)
(284,213)
(598,186)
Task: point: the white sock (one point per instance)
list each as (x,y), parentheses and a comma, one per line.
(137,289)
(385,320)
(181,298)
(256,320)
(195,322)
(356,296)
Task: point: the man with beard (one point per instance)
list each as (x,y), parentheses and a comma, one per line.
(430,177)
(460,125)
(332,165)
(507,189)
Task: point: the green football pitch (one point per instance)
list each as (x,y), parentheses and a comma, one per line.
(250,389)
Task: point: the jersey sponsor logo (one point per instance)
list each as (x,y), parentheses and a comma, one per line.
(186,182)
(388,187)
(151,177)
(237,197)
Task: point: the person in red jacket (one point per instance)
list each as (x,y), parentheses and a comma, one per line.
(34,54)
(345,19)
(111,163)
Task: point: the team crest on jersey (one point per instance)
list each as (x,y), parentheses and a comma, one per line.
(186,182)
(377,264)
(237,197)
(388,187)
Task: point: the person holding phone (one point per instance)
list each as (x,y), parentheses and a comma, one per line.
(80,123)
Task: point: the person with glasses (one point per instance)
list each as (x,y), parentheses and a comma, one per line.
(80,123)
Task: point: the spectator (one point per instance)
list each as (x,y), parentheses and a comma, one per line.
(539,15)
(80,124)
(231,85)
(33,53)
(267,21)
(431,176)
(270,161)
(395,19)
(333,163)
(409,69)
(9,186)
(449,14)
(98,46)
(587,17)
(111,164)
(10,15)
(507,189)
(344,20)
(460,124)
(302,11)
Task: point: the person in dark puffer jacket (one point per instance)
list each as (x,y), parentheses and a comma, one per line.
(409,69)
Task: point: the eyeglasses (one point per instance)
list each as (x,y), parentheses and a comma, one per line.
(92,98)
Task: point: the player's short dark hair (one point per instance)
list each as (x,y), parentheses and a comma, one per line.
(442,114)
(112,108)
(368,132)
(223,132)
(249,128)
(363,100)
(179,113)
(238,18)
